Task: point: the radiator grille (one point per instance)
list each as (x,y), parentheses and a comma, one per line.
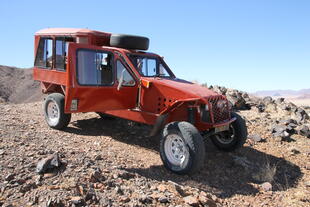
(220,114)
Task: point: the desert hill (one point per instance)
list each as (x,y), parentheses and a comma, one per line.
(17,85)
(283,93)
(299,97)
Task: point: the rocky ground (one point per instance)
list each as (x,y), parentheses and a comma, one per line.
(112,162)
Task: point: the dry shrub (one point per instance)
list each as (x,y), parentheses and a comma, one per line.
(266,173)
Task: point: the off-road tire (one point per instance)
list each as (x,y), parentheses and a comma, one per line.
(192,140)
(129,41)
(240,135)
(58,101)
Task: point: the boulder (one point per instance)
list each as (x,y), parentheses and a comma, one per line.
(268,100)
(301,114)
(290,124)
(288,107)
(304,131)
(49,163)
(280,131)
(279,100)
(237,102)
(219,90)
(261,107)
(288,121)
(245,95)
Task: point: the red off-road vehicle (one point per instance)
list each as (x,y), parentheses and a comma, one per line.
(83,70)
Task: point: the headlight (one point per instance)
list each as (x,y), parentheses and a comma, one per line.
(205,114)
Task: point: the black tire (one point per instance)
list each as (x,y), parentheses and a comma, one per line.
(129,41)
(192,140)
(234,138)
(55,117)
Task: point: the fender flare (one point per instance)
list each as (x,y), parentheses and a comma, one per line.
(162,118)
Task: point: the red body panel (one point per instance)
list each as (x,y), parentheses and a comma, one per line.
(144,102)
(50,76)
(97,98)
(163,92)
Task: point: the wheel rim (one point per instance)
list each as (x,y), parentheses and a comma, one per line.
(226,137)
(52,112)
(176,150)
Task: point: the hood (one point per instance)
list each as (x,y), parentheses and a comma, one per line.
(180,89)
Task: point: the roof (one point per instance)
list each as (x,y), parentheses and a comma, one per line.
(69,31)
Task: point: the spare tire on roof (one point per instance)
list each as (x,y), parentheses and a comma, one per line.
(129,41)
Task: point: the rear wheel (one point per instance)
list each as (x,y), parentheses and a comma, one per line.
(182,149)
(234,138)
(55,117)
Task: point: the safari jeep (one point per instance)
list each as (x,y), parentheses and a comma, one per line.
(83,70)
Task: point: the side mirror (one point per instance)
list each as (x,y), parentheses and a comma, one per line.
(121,80)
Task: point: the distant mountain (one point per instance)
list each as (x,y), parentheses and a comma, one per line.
(18,86)
(283,93)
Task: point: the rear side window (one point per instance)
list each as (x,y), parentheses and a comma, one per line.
(61,52)
(60,58)
(94,68)
(44,56)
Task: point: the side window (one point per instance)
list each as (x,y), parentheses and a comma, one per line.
(94,68)
(104,64)
(127,78)
(49,53)
(163,71)
(146,66)
(60,52)
(44,56)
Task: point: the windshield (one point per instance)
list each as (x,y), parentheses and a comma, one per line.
(149,66)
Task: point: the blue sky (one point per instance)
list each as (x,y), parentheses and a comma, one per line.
(245,44)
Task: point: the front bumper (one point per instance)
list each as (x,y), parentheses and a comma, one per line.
(202,126)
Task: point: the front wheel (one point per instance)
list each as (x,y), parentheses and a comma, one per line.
(182,148)
(234,138)
(55,116)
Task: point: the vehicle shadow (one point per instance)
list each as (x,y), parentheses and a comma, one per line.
(224,174)
(119,129)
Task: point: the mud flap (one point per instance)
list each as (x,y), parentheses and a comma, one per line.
(159,124)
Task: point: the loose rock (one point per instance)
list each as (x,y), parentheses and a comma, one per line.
(9,177)
(51,162)
(191,200)
(266,186)
(255,137)
(304,131)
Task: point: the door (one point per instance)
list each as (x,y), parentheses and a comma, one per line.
(93,78)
